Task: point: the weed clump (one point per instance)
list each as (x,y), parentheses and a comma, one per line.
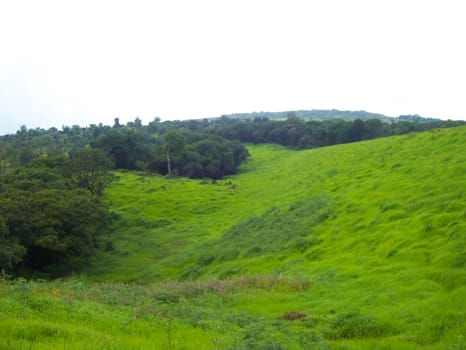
(353,325)
(293,316)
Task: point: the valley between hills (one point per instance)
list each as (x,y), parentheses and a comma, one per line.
(351,246)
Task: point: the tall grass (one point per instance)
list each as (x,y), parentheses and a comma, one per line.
(366,240)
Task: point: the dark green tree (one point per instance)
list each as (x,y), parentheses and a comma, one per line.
(11,251)
(126,148)
(116,123)
(174,146)
(46,219)
(89,168)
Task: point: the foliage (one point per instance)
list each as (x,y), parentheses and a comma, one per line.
(193,155)
(135,146)
(125,147)
(298,133)
(48,218)
(89,169)
(11,251)
(382,268)
(214,158)
(174,147)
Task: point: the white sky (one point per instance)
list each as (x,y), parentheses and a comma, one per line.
(80,62)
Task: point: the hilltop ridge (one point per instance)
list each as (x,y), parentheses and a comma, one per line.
(329,114)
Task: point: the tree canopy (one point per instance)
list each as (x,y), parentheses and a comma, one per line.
(47,217)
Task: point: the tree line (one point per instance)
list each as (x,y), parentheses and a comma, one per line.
(149,140)
(298,133)
(169,148)
(180,153)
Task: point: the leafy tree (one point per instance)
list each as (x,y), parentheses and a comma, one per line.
(41,173)
(3,159)
(174,146)
(26,155)
(125,147)
(117,123)
(138,123)
(46,218)
(11,251)
(89,169)
(64,225)
(215,157)
(357,130)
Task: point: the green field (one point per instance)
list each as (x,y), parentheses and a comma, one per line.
(352,246)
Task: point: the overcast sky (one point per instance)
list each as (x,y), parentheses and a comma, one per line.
(81,62)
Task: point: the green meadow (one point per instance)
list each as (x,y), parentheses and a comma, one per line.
(355,246)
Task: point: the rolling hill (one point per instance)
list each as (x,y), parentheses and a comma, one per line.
(360,245)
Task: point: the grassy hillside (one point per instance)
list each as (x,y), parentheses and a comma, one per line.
(365,242)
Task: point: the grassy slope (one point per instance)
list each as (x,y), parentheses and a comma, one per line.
(378,227)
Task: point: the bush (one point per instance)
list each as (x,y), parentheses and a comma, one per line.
(205,260)
(353,325)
